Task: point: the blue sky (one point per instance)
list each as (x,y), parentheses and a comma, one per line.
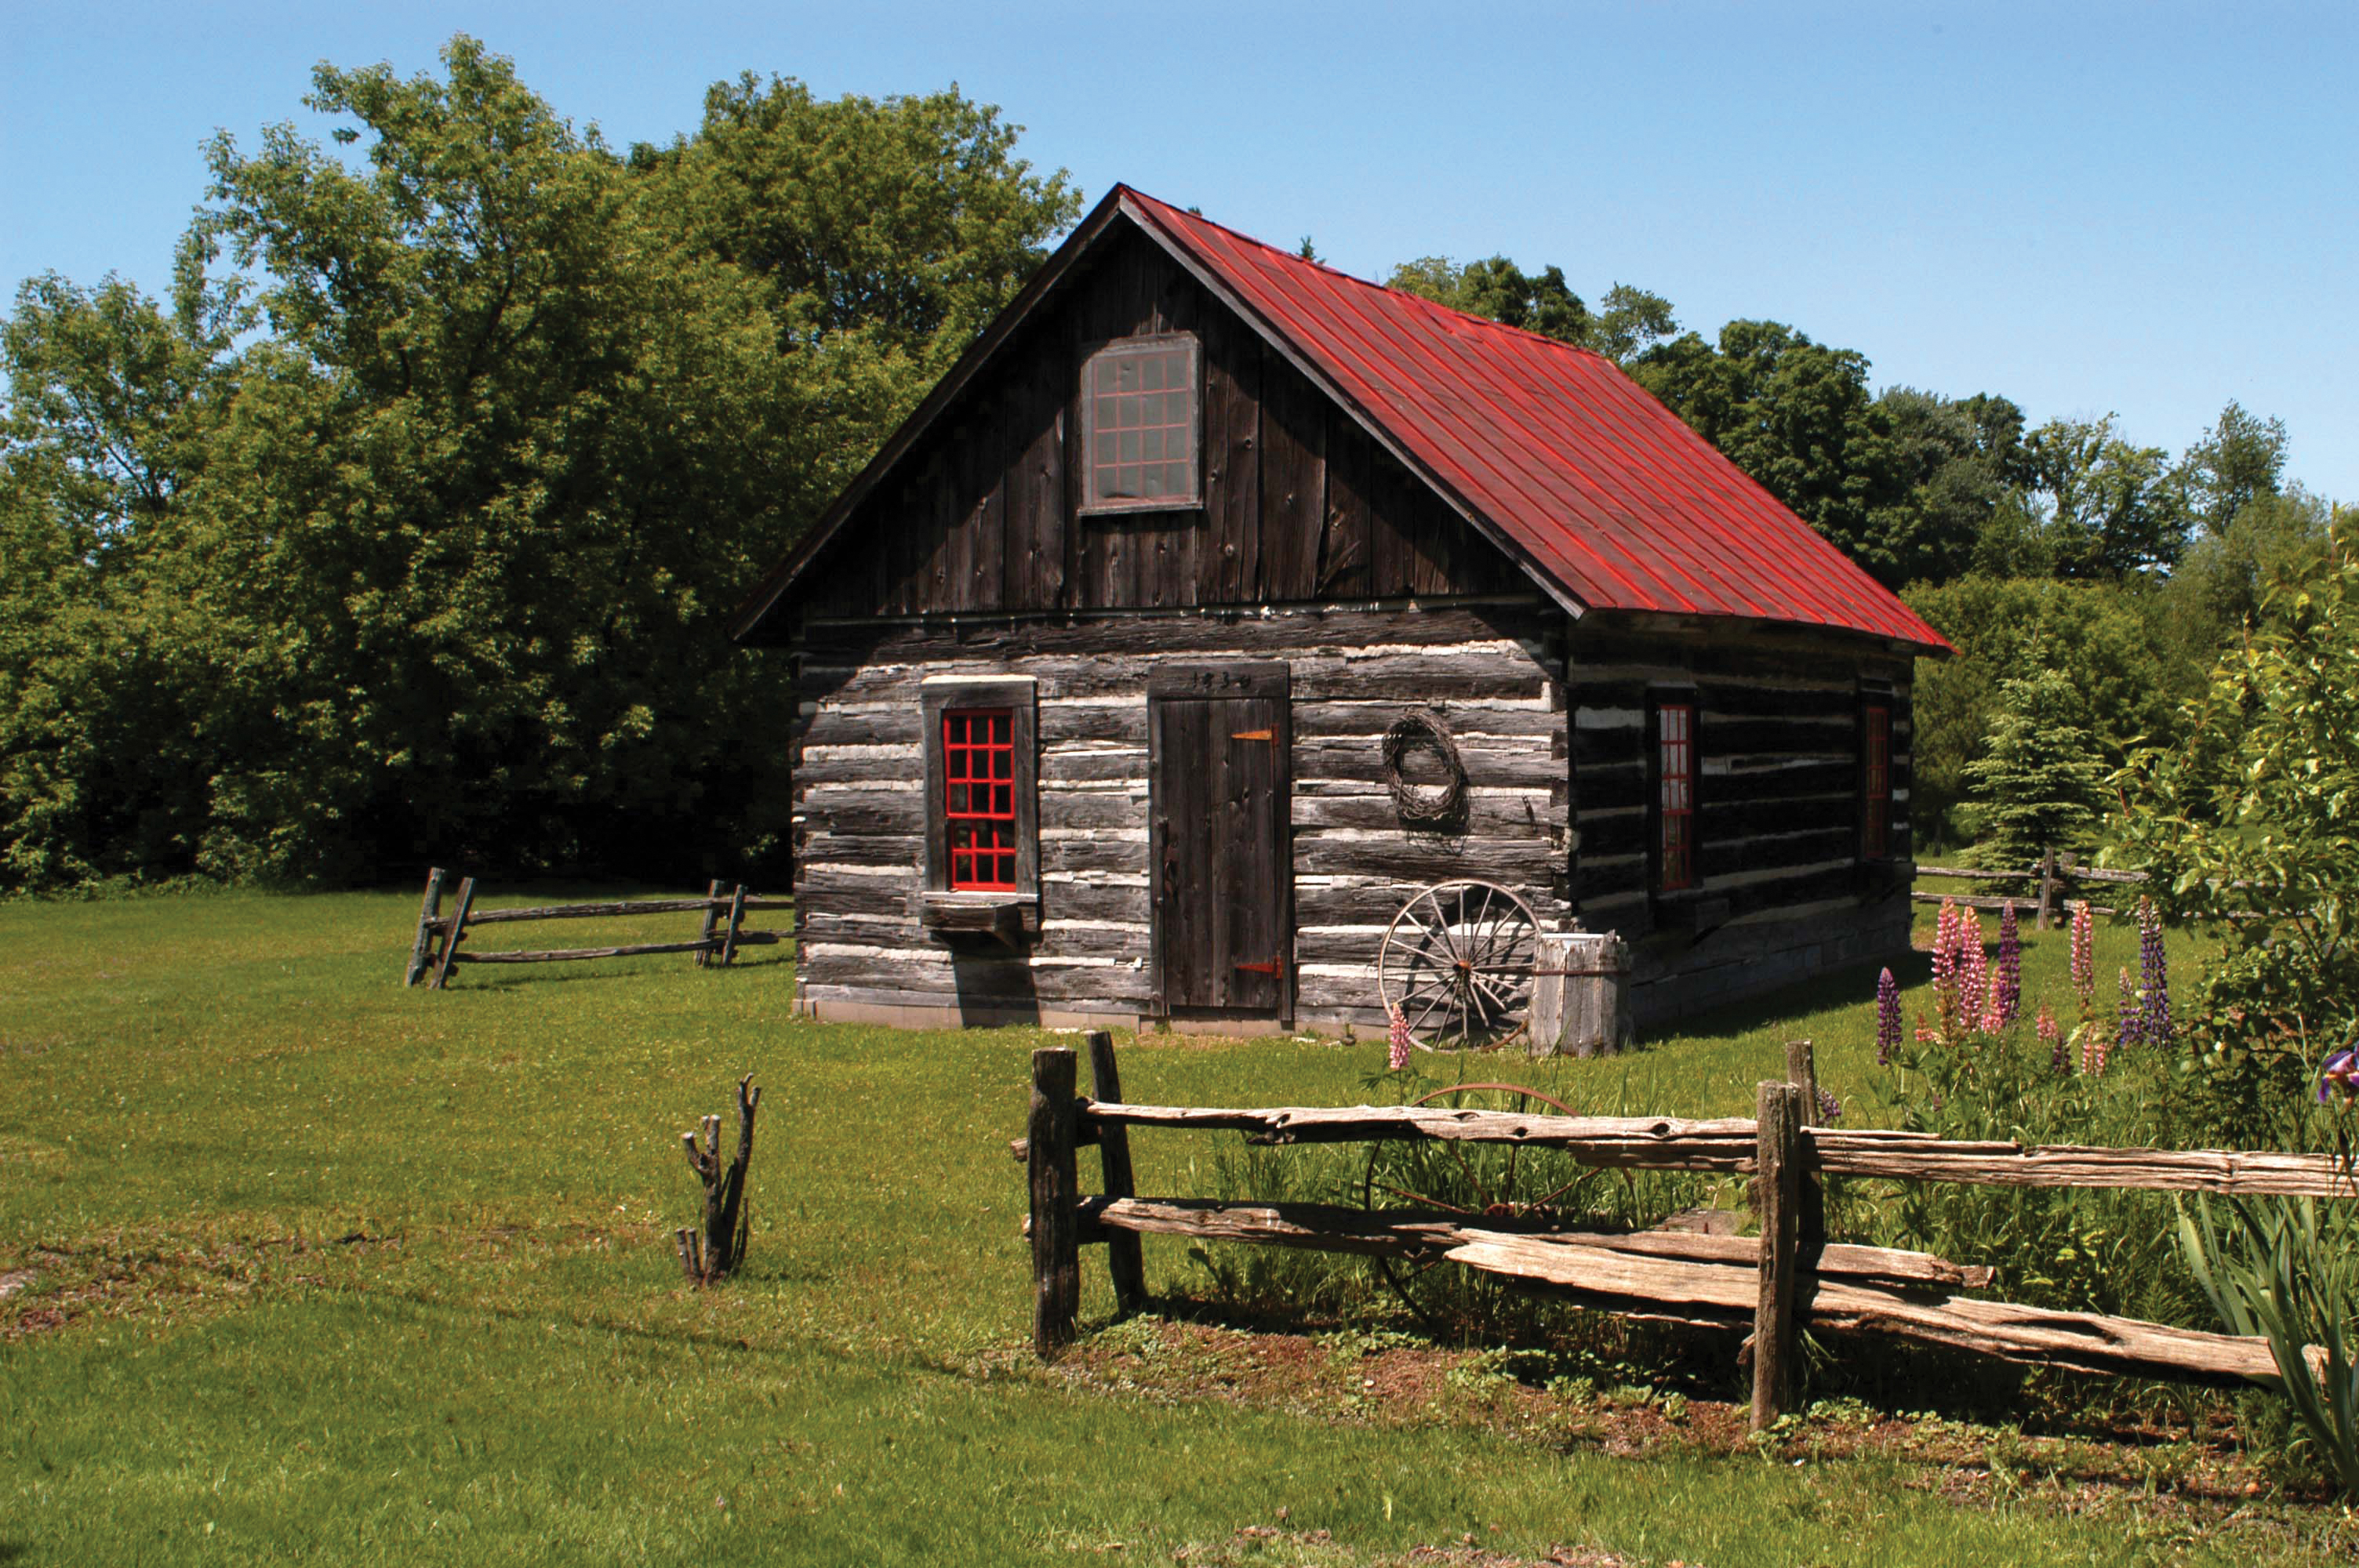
(2146,208)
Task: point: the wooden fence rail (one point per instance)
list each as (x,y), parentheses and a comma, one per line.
(436,949)
(1788,1277)
(2050,875)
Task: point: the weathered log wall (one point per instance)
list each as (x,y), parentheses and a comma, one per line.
(1495,669)
(1784,893)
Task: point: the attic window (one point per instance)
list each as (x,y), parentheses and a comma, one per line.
(1140,415)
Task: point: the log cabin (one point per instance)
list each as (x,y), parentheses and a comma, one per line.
(1096,662)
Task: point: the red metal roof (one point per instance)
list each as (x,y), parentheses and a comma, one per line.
(1605,490)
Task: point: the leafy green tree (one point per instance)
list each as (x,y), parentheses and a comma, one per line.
(2248,825)
(2039,781)
(1631,320)
(2239,460)
(411,531)
(1498,289)
(2105,639)
(2107,507)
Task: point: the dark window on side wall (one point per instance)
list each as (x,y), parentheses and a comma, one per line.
(1675,796)
(982,810)
(1140,418)
(1876,782)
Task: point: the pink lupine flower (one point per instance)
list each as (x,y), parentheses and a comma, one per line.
(2046,1028)
(2084,956)
(1397,1040)
(1974,969)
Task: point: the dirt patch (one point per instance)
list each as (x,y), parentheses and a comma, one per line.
(2168,1484)
(1269,1544)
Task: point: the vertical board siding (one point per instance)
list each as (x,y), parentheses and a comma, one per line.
(1496,672)
(1299,504)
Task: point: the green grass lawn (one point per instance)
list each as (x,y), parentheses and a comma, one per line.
(310,1268)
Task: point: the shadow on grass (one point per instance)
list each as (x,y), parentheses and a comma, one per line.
(1851,987)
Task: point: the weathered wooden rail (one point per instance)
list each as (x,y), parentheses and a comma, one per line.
(436,950)
(2052,874)
(1787,1276)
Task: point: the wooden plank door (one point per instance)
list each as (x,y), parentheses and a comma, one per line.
(1220,777)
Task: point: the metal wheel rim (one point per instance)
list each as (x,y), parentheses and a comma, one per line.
(1401,1274)
(1468,979)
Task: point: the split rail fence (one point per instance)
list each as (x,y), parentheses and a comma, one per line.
(436,949)
(1788,1277)
(2053,874)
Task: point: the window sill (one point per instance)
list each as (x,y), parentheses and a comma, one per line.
(1114,509)
(1010,917)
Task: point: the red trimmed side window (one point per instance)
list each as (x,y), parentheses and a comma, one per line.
(979,797)
(1675,772)
(1142,414)
(1875,826)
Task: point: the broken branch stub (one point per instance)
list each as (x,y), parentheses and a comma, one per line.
(714,1249)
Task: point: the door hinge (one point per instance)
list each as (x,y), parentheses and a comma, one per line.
(1274,968)
(1268,735)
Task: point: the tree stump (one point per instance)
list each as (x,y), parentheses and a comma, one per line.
(710,1252)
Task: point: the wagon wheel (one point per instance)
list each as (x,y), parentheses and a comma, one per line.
(1457,960)
(1508,1185)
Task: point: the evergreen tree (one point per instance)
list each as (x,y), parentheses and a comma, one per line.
(2040,783)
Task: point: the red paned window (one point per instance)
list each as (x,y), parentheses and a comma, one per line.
(1140,402)
(1675,775)
(979,797)
(1876,823)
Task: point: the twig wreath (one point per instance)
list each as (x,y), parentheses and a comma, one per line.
(1425,805)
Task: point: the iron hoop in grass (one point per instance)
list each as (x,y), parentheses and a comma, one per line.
(1425,805)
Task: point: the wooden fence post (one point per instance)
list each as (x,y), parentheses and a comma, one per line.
(1055,1202)
(712,914)
(458,930)
(1802,1067)
(737,918)
(421,951)
(2047,887)
(1125,1262)
(1777,1192)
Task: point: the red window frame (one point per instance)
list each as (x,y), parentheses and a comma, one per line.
(1675,774)
(1140,414)
(979,799)
(1876,752)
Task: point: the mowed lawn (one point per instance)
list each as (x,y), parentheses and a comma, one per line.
(305,1267)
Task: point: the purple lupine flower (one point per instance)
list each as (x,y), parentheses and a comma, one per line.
(2010,966)
(2154,970)
(2339,1075)
(1887,1018)
(1397,1040)
(2045,1027)
(1830,1108)
(2084,956)
(2129,1019)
